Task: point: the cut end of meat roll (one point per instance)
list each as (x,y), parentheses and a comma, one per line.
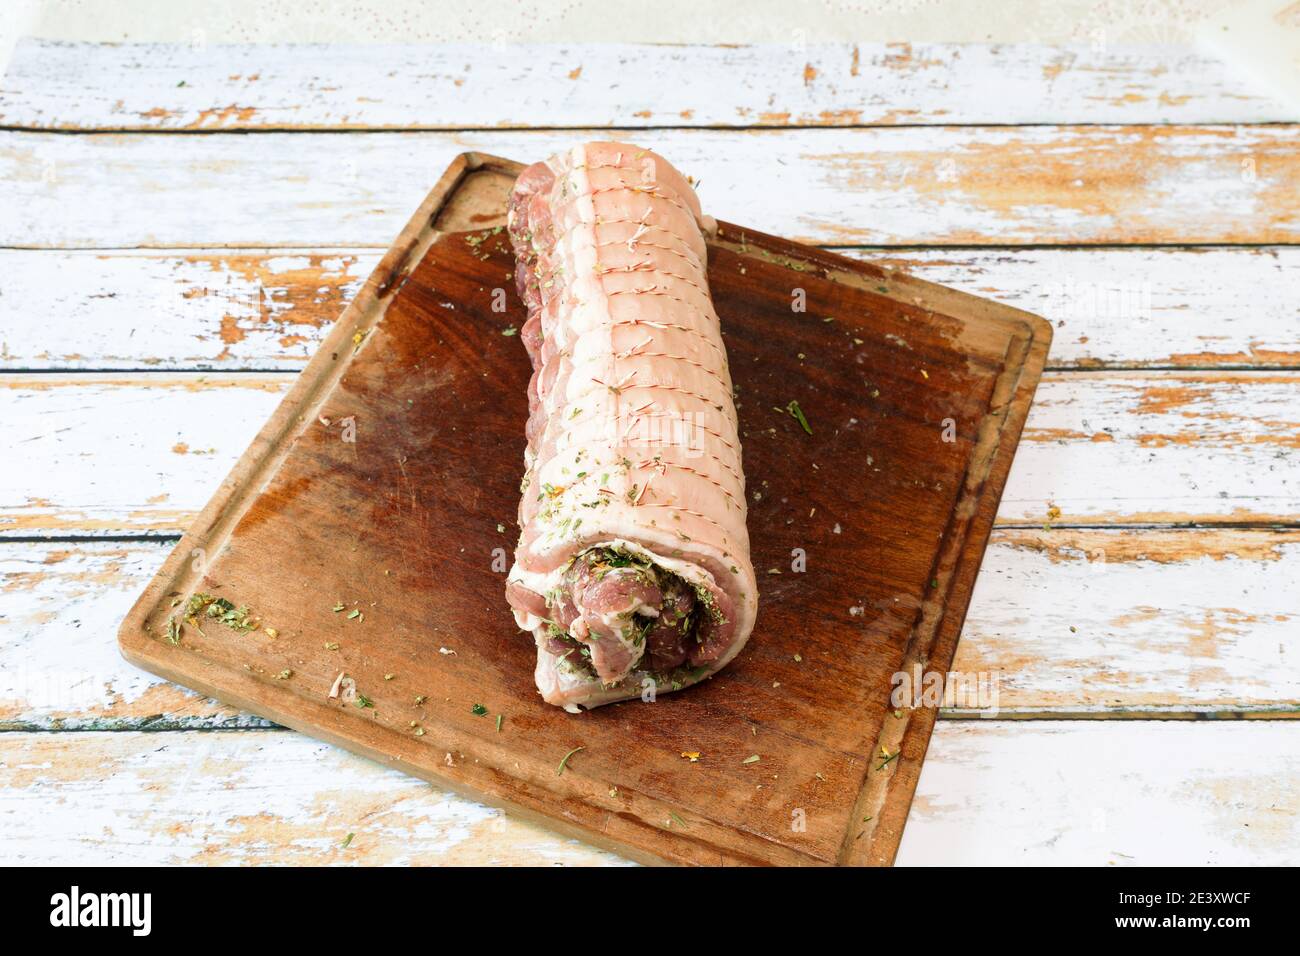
(632,571)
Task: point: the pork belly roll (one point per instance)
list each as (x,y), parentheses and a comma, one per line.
(632,570)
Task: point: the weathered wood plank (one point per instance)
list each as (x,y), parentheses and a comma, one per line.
(199,310)
(1104,623)
(137,453)
(269,309)
(84,86)
(876,186)
(1095,793)
(990,793)
(1136,622)
(265,796)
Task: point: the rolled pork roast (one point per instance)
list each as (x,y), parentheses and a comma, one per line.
(632,570)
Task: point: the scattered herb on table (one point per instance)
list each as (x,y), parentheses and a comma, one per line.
(363,701)
(478,710)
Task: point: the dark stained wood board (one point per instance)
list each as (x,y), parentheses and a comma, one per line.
(401,525)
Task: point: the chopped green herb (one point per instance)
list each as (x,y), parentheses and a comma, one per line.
(797,413)
(560,769)
(338,607)
(500,717)
(889,759)
(509,330)
(347,840)
(752,758)
(364,701)
(678,820)
(218,609)
(478,710)
(354,613)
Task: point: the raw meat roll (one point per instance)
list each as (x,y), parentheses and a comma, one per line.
(632,570)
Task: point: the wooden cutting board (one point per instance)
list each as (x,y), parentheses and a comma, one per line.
(370,524)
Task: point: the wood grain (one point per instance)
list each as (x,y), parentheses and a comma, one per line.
(1104,623)
(992,792)
(876,186)
(184,87)
(264,310)
(1105,448)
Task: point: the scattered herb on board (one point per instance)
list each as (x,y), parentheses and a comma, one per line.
(678,820)
(363,701)
(509,330)
(173,631)
(752,758)
(889,759)
(347,840)
(564,762)
(797,413)
(692,755)
(478,710)
(284,674)
(331,645)
(354,614)
(420,700)
(500,717)
(221,610)
(338,607)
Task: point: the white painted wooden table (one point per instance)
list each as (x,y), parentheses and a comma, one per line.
(180,225)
